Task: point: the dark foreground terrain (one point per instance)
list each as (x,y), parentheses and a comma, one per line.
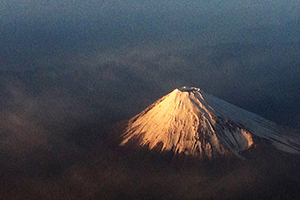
(106,171)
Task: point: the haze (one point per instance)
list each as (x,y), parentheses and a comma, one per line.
(69,70)
(244,52)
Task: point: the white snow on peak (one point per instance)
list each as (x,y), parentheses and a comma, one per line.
(283,138)
(189,121)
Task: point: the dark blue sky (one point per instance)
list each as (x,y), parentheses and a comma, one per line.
(126,54)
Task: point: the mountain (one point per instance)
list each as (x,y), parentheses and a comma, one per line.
(192,122)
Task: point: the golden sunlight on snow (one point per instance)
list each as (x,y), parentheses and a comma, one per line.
(183,123)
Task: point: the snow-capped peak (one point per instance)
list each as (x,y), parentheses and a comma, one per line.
(189,121)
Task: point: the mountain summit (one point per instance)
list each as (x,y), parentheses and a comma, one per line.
(191,122)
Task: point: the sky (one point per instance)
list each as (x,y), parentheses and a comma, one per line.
(70,69)
(244,52)
(64,64)
(111,59)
